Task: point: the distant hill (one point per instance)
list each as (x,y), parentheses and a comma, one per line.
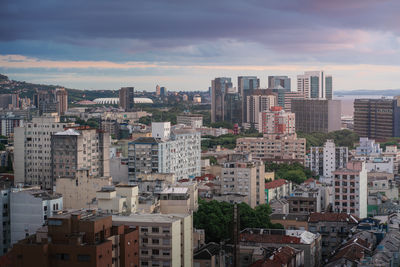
(28,90)
(385,92)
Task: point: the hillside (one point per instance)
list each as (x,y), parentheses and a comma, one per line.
(28,90)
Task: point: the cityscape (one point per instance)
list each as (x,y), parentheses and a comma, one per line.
(199,134)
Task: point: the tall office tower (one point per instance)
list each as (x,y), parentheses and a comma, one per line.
(246,85)
(233,108)
(126,98)
(163,91)
(62,100)
(276,121)
(315,84)
(323,161)
(32,150)
(45,101)
(289,96)
(80,148)
(279,82)
(351,189)
(219,87)
(257,104)
(315,115)
(377,118)
(244,178)
(158,90)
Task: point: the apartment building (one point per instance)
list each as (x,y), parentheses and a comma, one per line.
(333,227)
(277,189)
(276,121)
(178,153)
(273,148)
(79,238)
(244,178)
(32,150)
(126,98)
(29,210)
(164,239)
(351,189)
(324,160)
(191,120)
(80,148)
(305,200)
(8,122)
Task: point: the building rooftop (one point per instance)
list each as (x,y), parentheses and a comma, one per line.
(68,132)
(145,218)
(175,190)
(37,193)
(277,236)
(332,217)
(275,183)
(289,217)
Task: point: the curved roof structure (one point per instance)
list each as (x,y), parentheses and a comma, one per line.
(115,100)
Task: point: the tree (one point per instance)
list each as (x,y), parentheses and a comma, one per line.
(216,218)
(294,172)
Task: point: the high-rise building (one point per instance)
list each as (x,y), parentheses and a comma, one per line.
(62,100)
(80,148)
(8,122)
(377,118)
(126,98)
(45,101)
(351,189)
(158,90)
(315,84)
(316,115)
(257,104)
(323,161)
(9,101)
(276,121)
(79,238)
(233,108)
(244,178)
(246,85)
(163,91)
(288,97)
(279,82)
(219,87)
(32,150)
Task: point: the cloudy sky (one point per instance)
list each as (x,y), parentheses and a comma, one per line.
(183,44)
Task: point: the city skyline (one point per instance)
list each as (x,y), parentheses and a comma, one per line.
(185,45)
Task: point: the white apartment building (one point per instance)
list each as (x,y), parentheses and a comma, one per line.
(315,84)
(32,150)
(368,147)
(121,199)
(29,210)
(161,130)
(324,160)
(191,120)
(244,178)
(164,239)
(179,155)
(351,189)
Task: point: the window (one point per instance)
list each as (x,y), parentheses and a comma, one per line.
(85,258)
(63,257)
(145,252)
(155,241)
(166,253)
(155,252)
(144,229)
(145,240)
(154,230)
(166,242)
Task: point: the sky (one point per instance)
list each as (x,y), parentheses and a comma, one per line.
(184,44)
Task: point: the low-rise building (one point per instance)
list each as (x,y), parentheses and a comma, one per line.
(383,183)
(299,239)
(121,199)
(279,206)
(305,200)
(191,120)
(277,189)
(290,221)
(333,227)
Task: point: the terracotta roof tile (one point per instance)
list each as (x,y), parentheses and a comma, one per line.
(275,183)
(332,217)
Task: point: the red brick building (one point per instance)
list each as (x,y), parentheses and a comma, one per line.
(79,238)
